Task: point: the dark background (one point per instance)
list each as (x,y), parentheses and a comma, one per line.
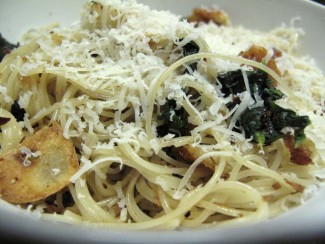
(320,1)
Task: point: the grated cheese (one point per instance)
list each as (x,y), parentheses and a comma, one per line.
(24,99)
(113,65)
(4,95)
(56,171)
(246,100)
(122,201)
(28,154)
(246,82)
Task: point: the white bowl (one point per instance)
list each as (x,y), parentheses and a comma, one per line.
(306,222)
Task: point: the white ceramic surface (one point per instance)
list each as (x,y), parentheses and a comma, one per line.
(305,222)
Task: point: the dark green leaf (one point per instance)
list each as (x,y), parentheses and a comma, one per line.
(271,94)
(175,121)
(5,47)
(259,137)
(264,124)
(4,120)
(189,49)
(299,137)
(17,111)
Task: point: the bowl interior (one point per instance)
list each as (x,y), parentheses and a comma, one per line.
(304,221)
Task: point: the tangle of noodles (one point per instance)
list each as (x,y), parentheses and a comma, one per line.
(106,80)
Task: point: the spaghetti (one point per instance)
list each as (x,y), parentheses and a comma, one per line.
(108,82)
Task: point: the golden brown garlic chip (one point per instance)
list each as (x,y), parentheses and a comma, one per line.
(189,154)
(40,166)
(258,53)
(206,15)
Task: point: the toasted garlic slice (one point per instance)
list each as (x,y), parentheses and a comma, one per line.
(40,166)
(189,154)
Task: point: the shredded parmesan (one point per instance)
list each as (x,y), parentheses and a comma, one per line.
(56,171)
(107,81)
(28,154)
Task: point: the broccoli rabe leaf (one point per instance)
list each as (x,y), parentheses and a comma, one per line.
(257,123)
(264,123)
(189,49)
(233,82)
(5,47)
(175,120)
(17,111)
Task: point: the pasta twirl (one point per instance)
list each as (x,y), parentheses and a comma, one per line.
(160,143)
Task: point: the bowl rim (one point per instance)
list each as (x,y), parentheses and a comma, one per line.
(30,227)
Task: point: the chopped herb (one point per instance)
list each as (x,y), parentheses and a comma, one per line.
(265,123)
(287,118)
(257,123)
(193,67)
(175,121)
(187,214)
(4,120)
(5,47)
(17,111)
(189,49)
(67,199)
(233,82)
(177,175)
